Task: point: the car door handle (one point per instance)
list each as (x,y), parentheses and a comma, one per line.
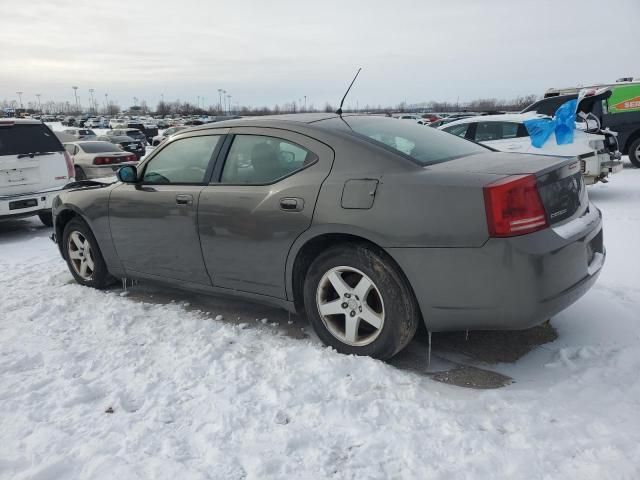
(184,199)
(290,204)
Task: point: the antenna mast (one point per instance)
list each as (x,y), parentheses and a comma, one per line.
(339,111)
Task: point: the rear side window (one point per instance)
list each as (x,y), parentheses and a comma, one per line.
(487,131)
(260,160)
(19,139)
(458,130)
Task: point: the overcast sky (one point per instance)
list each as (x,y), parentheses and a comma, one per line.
(277,51)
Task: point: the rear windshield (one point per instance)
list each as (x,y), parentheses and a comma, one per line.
(133,133)
(99,147)
(420,143)
(17,139)
(85,132)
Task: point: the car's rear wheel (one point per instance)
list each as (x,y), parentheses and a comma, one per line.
(46,218)
(80,175)
(359,303)
(83,255)
(634,153)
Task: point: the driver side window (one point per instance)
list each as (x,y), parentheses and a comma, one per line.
(183,161)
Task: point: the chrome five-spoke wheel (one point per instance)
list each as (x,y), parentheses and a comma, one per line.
(350,306)
(79,251)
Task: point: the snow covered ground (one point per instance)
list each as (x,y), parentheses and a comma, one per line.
(105,385)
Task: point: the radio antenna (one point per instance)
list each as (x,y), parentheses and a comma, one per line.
(339,111)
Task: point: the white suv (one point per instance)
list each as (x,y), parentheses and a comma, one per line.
(34,167)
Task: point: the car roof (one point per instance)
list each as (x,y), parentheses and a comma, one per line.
(304,118)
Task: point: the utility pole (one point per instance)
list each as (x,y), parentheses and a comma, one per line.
(93,103)
(75,94)
(20,97)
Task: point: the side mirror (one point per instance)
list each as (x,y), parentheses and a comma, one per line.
(127,174)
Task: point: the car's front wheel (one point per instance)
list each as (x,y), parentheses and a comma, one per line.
(634,153)
(83,255)
(359,303)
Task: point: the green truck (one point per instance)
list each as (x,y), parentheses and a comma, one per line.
(620,112)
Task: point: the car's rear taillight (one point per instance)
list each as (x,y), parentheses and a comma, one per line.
(70,170)
(105,160)
(514,207)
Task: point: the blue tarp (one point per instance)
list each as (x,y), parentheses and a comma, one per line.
(563,124)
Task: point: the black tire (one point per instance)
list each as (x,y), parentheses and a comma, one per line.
(80,175)
(100,277)
(634,153)
(401,311)
(46,218)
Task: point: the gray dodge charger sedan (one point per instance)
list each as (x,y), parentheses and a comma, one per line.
(367,224)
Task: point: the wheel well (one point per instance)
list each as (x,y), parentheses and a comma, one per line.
(310,251)
(62,219)
(632,138)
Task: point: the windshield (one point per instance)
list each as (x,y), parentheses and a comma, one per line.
(20,139)
(424,145)
(99,147)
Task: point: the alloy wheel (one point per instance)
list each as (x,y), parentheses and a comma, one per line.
(350,306)
(79,251)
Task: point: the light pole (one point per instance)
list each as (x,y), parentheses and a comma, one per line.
(20,97)
(93,102)
(220,100)
(75,94)
(39,105)
(106,103)
(229,102)
(305,103)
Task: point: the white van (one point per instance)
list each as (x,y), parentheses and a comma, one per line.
(34,167)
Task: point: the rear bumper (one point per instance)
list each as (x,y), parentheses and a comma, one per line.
(507,284)
(27,204)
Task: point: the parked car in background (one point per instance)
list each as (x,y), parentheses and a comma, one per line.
(302,211)
(117,123)
(80,133)
(597,153)
(128,132)
(618,110)
(34,168)
(92,123)
(68,121)
(125,143)
(97,159)
(158,139)
(148,129)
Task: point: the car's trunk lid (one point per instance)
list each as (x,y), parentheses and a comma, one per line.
(559,180)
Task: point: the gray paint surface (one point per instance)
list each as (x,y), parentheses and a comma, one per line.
(431,220)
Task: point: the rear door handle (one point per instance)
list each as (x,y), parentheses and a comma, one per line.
(291,204)
(184,199)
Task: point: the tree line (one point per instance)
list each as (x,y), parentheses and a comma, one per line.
(186,108)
